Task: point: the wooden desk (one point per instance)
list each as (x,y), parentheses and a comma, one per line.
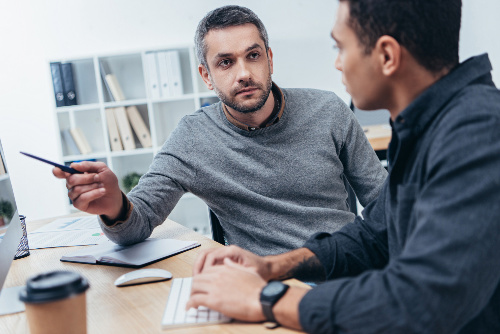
(379,136)
(135,309)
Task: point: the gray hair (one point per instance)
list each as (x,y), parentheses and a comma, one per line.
(224,17)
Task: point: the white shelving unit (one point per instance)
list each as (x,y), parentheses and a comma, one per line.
(161,116)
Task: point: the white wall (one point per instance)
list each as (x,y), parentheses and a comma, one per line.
(34,32)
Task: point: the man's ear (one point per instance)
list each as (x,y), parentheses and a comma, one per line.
(205,76)
(389,54)
(270,56)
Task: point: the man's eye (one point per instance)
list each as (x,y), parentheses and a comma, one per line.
(254,55)
(225,63)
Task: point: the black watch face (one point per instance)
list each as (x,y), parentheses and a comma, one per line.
(273,288)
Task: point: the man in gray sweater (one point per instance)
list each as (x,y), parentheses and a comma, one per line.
(269,162)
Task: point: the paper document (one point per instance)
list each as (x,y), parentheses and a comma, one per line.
(70,224)
(66,238)
(64,232)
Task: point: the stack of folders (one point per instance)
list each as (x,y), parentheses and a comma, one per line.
(64,85)
(164,74)
(76,141)
(121,120)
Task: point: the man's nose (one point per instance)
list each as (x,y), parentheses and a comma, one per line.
(338,63)
(243,71)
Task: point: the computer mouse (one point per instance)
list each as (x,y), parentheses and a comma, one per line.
(143,276)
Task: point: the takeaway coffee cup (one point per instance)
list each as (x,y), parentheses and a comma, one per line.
(55,303)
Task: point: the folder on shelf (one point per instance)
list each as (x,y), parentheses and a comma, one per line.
(140,128)
(2,167)
(174,73)
(114,135)
(68,84)
(70,142)
(124,128)
(163,71)
(55,70)
(81,141)
(112,85)
(102,65)
(153,77)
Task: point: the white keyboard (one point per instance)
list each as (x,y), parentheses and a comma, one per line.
(175,314)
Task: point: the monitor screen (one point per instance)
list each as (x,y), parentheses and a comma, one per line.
(7,202)
(10,225)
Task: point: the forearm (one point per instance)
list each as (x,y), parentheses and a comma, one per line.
(332,256)
(129,227)
(301,264)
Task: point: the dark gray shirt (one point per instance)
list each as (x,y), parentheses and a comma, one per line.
(426,256)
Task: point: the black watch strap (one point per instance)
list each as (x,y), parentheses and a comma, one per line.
(269,296)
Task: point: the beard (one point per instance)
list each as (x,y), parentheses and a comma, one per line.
(262,89)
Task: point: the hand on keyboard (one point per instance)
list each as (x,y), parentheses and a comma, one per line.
(175,314)
(215,256)
(231,289)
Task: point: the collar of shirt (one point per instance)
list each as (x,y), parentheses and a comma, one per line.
(415,118)
(279,107)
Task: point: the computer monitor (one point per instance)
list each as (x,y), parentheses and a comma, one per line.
(10,236)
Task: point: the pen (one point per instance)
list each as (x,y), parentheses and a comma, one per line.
(62,167)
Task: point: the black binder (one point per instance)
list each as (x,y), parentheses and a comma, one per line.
(55,69)
(68,84)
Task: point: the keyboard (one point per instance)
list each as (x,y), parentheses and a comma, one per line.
(175,314)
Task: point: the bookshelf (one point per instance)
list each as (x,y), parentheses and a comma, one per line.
(160,112)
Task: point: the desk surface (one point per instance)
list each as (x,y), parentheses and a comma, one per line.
(379,136)
(135,309)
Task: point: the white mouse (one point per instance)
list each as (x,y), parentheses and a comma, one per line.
(142,276)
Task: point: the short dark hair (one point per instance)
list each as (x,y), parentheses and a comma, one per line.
(224,17)
(428,29)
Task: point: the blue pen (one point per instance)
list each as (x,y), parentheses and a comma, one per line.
(62,167)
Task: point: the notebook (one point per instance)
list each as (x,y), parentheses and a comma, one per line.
(136,255)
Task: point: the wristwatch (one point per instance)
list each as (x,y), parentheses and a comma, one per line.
(269,295)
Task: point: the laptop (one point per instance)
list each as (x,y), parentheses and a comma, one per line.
(10,236)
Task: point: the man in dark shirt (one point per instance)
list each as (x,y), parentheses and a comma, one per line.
(424,258)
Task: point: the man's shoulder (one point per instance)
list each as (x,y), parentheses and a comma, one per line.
(201,115)
(468,119)
(474,101)
(206,118)
(311,93)
(317,102)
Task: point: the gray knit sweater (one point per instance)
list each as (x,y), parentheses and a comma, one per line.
(271,188)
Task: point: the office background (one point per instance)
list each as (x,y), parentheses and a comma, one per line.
(32,33)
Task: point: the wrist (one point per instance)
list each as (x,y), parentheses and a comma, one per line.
(269,267)
(286,310)
(269,296)
(280,267)
(121,211)
(274,265)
